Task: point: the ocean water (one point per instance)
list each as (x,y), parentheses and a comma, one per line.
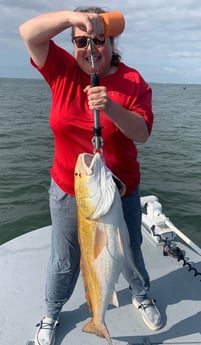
(170,160)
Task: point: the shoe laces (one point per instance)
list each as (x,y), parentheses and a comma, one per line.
(147,303)
(47,325)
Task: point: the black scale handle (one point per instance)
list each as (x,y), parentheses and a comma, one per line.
(97,140)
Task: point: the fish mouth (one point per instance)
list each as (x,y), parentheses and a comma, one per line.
(88,160)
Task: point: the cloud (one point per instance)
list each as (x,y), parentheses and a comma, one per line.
(158,33)
(191,55)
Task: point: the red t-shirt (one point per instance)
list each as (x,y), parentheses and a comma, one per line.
(72,121)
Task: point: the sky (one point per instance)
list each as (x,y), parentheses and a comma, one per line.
(162,38)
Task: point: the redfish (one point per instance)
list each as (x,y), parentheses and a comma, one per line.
(103,238)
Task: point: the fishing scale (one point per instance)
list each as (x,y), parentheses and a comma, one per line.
(114,24)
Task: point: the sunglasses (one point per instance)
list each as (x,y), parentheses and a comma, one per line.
(83,41)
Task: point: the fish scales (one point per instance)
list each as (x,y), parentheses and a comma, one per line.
(103,238)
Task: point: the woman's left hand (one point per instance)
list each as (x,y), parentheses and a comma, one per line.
(97,97)
(132,125)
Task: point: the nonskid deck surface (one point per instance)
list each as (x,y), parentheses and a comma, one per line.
(23,264)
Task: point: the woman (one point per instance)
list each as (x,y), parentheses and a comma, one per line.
(124,101)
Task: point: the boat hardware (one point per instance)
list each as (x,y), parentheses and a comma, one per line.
(159,226)
(162,231)
(174,251)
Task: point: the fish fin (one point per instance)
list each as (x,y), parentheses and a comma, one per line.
(120,242)
(114,299)
(99,241)
(99,329)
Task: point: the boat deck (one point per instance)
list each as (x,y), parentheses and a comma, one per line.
(23,264)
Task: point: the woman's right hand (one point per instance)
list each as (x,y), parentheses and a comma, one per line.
(91,23)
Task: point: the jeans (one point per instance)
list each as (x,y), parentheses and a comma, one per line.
(139,283)
(64,263)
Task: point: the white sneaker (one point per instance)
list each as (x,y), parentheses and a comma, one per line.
(149,312)
(45,334)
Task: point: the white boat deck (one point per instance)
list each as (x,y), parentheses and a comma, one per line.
(23,264)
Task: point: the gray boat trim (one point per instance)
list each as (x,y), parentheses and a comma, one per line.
(23,262)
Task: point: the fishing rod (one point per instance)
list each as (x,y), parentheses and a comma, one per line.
(97,139)
(114,24)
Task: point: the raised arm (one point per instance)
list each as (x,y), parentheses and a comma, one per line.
(38,31)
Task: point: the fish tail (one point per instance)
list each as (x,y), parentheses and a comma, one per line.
(99,329)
